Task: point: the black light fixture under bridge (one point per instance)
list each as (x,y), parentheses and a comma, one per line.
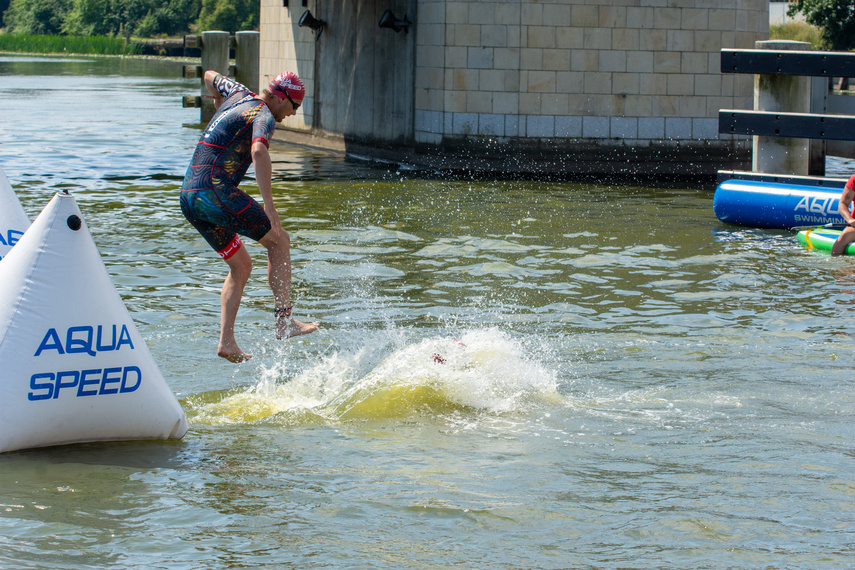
(309,21)
(388,20)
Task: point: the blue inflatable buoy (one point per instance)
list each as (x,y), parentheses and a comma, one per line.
(775,205)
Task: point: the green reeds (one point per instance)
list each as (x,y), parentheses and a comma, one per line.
(798,31)
(95,45)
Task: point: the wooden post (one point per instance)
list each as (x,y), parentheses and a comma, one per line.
(786,93)
(215,55)
(246,59)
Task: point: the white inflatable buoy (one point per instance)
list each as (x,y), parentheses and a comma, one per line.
(13,220)
(73,367)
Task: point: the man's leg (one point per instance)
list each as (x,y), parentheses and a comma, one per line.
(240,267)
(278,246)
(847,236)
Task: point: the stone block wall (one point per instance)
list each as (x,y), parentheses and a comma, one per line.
(548,81)
(286,47)
(591,69)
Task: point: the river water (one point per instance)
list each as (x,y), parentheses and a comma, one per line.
(626,381)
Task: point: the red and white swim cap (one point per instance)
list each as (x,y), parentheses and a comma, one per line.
(289,83)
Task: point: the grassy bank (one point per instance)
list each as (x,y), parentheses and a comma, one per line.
(95,45)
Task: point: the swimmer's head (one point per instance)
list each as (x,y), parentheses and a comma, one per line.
(288,86)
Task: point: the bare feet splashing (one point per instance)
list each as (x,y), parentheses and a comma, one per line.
(287,327)
(233,353)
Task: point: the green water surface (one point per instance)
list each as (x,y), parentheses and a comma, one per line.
(625,381)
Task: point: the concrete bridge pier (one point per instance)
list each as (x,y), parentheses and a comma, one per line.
(788,94)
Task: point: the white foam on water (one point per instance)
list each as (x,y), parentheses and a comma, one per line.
(482,371)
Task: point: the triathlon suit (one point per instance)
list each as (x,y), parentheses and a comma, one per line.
(210,198)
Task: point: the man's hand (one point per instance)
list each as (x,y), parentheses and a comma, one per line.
(273,216)
(263,173)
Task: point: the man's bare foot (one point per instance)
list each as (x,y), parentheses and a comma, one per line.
(233,354)
(286,328)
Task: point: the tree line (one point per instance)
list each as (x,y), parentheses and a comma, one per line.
(834,18)
(126,18)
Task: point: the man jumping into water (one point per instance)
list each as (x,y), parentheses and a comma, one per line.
(239,133)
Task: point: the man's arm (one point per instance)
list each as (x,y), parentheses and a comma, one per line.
(263,177)
(845,201)
(210,76)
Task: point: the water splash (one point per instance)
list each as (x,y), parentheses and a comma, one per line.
(484,371)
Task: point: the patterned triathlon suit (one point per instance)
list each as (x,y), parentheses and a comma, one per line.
(210,198)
